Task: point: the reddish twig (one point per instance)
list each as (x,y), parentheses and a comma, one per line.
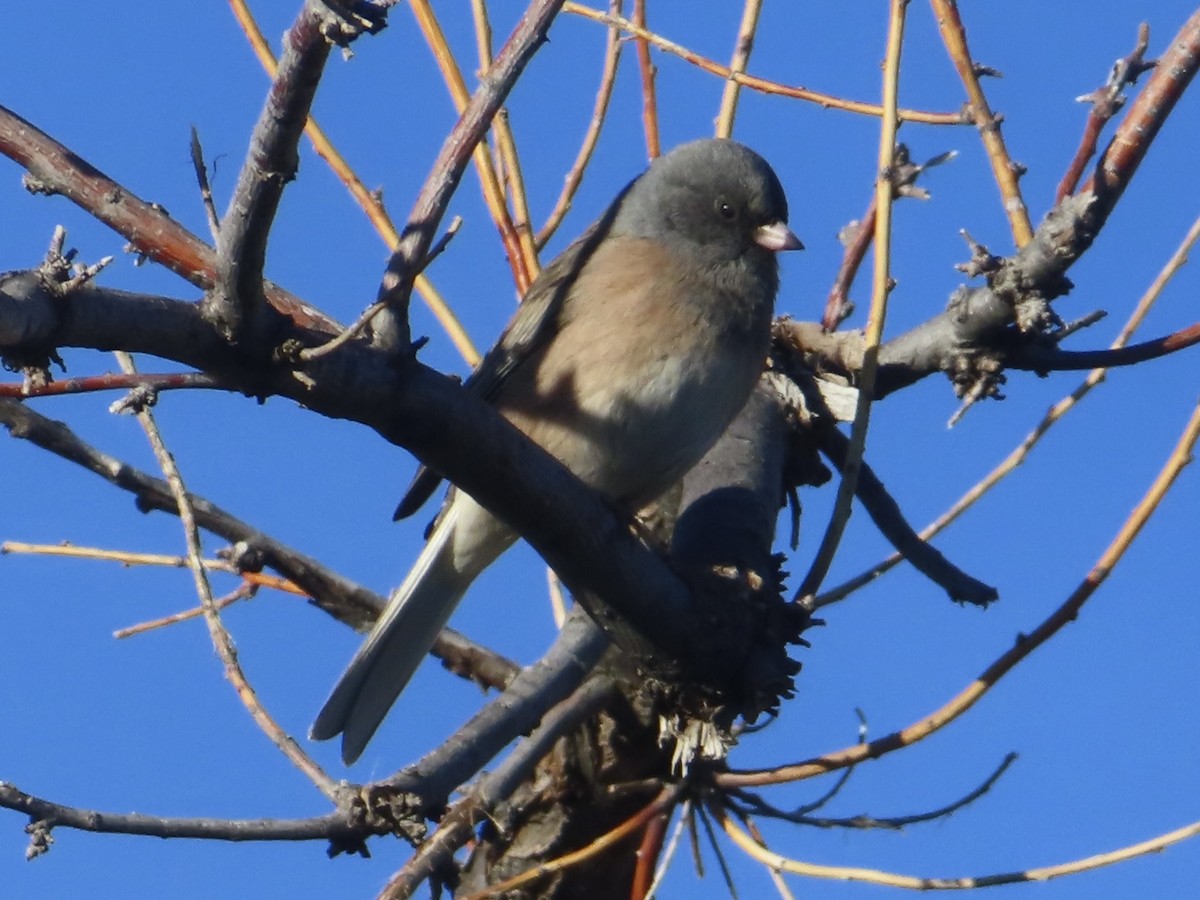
(391,325)
(1106,102)
(1129,145)
(111,381)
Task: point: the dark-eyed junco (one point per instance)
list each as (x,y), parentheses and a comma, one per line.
(629,356)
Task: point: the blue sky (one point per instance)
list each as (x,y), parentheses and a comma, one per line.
(1104,717)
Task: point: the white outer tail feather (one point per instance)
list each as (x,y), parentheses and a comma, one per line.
(416,612)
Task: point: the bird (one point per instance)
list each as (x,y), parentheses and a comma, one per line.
(629,355)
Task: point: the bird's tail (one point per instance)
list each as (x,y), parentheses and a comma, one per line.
(465,540)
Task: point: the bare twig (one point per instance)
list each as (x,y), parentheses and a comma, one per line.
(763,85)
(954,36)
(886,514)
(370,201)
(112,381)
(893,879)
(391,326)
(222,642)
(608,78)
(55,815)
(1106,102)
(206,197)
(881,287)
(493,191)
(737,64)
(758,806)
(971,694)
(648,72)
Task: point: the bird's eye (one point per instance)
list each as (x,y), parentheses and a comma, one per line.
(726,211)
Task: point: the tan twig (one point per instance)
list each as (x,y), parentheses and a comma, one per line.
(243,591)
(222,642)
(483,34)
(515,179)
(970,695)
(762,85)
(737,64)
(125,557)
(251,582)
(370,201)
(881,287)
(663,802)
(774,860)
(608,78)
(648,72)
(1052,416)
(1006,173)
(493,192)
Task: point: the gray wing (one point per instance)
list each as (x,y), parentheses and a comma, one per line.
(536,321)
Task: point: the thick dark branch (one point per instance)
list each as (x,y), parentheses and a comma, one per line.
(270,164)
(977,334)
(576,532)
(457,827)
(150,230)
(513,713)
(45,815)
(390,326)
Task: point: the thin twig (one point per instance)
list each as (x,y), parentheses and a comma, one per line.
(493,191)
(737,64)
(754,83)
(758,806)
(56,815)
(206,197)
(648,72)
(608,78)
(1022,450)
(893,879)
(1006,173)
(370,201)
(222,642)
(1106,101)
(360,324)
(648,853)
(1066,613)
(243,591)
(664,862)
(112,381)
(529,34)
(881,287)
